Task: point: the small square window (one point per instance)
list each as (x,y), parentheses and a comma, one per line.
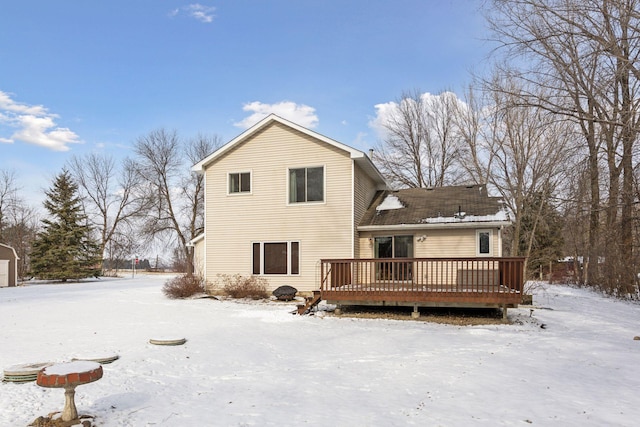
(239,182)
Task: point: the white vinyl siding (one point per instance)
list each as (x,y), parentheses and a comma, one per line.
(364,191)
(434,243)
(4,272)
(324,230)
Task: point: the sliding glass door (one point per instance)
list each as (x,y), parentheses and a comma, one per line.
(394,247)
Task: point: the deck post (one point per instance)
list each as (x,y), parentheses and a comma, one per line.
(504,312)
(416,313)
(338,310)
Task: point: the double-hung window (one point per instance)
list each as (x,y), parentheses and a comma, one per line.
(276,258)
(239,182)
(306,185)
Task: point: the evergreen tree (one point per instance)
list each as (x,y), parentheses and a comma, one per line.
(541,239)
(65,249)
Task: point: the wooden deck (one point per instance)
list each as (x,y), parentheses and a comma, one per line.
(423,282)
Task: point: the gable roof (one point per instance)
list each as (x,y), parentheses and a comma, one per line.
(358,156)
(11,249)
(457,206)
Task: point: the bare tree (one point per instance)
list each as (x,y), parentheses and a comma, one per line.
(193,184)
(8,197)
(122,244)
(420,147)
(585,54)
(108,193)
(476,131)
(175,193)
(23,224)
(530,148)
(19,222)
(444,150)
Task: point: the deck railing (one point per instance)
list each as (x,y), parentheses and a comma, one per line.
(487,280)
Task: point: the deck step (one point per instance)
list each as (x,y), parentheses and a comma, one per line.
(310,303)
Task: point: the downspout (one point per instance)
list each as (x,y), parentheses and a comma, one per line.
(353,208)
(204,231)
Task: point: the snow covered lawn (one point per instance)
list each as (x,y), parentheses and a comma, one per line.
(258,365)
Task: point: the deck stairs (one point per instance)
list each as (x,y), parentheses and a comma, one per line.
(310,302)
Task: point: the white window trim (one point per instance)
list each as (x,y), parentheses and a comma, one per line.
(478,254)
(288,242)
(324,185)
(240,193)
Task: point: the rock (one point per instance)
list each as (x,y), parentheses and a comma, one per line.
(636,338)
(285,293)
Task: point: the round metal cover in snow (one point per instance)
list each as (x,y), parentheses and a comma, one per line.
(26,369)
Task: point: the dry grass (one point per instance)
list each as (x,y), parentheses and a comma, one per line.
(237,286)
(183,286)
(449,316)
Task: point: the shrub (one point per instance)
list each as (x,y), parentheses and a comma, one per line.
(237,286)
(183,286)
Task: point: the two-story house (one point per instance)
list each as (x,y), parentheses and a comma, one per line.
(279,198)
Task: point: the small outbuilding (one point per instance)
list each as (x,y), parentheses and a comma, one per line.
(8,266)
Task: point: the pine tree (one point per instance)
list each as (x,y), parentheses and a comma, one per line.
(541,218)
(65,249)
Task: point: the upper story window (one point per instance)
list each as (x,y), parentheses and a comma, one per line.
(483,242)
(239,182)
(306,185)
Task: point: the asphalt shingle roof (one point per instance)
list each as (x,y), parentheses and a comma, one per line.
(429,205)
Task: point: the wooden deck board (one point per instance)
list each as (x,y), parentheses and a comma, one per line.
(495,282)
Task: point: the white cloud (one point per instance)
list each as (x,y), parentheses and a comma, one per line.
(361,139)
(383,113)
(9,105)
(300,114)
(197,11)
(34,124)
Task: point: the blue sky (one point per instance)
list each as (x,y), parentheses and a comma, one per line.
(79,76)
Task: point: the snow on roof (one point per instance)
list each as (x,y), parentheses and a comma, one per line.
(501,215)
(390,202)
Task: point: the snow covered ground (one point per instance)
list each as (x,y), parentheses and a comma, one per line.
(258,365)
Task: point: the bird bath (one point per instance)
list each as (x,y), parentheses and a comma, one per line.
(69,376)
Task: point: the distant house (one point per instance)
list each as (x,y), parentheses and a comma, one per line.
(297,208)
(8,266)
